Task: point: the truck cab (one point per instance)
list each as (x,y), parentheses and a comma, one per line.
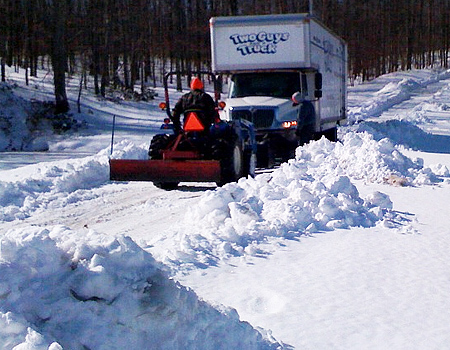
(265,99)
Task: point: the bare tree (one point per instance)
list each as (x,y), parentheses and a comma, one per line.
(121,41)
(57,25)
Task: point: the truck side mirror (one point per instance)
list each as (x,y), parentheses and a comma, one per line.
(318,85)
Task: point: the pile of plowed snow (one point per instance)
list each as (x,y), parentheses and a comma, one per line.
(100,292)
(312,193)
(57,184)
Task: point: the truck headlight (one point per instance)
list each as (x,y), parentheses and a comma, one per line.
(288,124)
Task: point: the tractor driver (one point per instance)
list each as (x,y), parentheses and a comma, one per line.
(196,100)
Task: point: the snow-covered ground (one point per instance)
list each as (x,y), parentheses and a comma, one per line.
(343,247)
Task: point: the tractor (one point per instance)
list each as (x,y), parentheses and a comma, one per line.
(222,153)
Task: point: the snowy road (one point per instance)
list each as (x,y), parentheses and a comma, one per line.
(415,108)
(117,209)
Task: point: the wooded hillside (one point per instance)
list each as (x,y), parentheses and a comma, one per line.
(118,41)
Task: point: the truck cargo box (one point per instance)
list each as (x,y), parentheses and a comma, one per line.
(274,42)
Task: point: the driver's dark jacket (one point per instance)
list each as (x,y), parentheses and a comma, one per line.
(199,101)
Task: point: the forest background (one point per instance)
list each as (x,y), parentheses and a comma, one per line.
(120,43)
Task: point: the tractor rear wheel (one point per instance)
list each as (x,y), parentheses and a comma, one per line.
(159,143)
(231,156)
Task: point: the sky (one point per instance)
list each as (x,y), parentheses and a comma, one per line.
(343,247)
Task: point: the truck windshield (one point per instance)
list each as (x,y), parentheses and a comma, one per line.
(275,84)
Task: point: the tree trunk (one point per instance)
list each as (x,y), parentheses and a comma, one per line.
(59,55)
(126,75)
(96,64)
(3,69)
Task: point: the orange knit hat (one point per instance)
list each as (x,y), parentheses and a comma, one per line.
(196,84)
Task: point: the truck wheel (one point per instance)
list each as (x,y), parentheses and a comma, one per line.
(249,163)
(305,134)
(266,155)
(331,134)
(262,156)
(157,145)
(231,158)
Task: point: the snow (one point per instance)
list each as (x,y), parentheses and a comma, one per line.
(343,247)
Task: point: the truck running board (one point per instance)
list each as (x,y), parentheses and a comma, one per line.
(164,170)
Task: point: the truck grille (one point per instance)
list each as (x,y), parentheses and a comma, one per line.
(261,118)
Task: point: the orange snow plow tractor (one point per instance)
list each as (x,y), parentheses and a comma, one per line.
(174,166)
(223,153)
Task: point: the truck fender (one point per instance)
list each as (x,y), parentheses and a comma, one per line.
(248,134)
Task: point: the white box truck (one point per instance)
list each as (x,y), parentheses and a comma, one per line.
(287,74)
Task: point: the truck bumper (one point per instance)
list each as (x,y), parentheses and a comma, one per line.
(280,135)
(275,147)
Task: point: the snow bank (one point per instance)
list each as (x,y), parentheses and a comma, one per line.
(55,184)
(406,126)
(63,290)
(403,132)
(51,185)
(393,93)
(312,193)
(361,157)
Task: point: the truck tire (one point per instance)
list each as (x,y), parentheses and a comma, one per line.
(266,155)
(249,163)
(331,134)
(157,145)
(306,134)
(231,156)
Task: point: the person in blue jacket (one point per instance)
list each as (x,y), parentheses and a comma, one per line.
(167,125)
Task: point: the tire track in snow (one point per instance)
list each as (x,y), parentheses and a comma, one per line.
(128,208)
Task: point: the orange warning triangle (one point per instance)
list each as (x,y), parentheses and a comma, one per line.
(193,123)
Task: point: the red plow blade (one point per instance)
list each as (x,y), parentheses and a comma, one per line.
(164,170)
